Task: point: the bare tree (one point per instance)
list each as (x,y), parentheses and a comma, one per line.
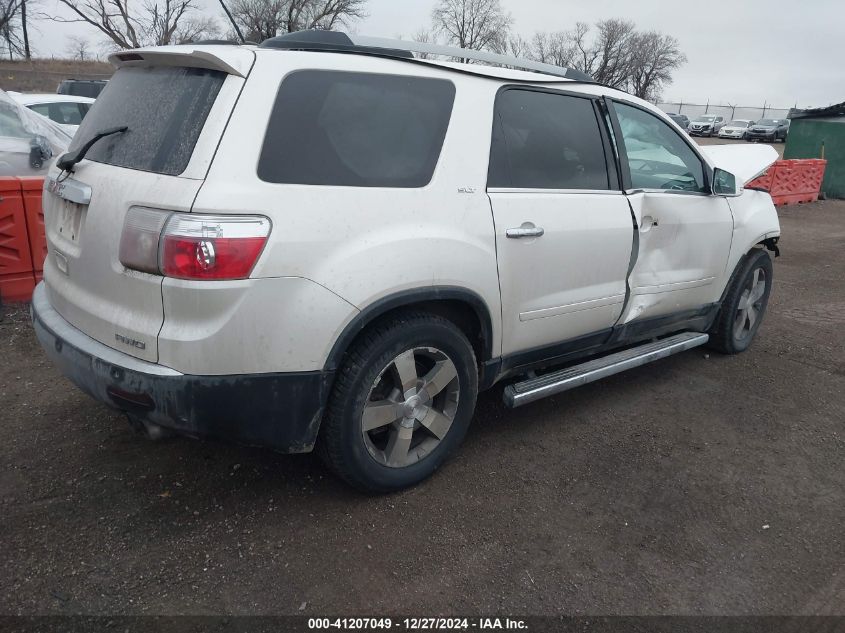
(473,24)
(195,29)
(10,25)
(261,19)
(27,53)
(78,48)
(513,45)
(552,48)
(655,56)
(424,36)
(153,23)
(614,53)
(608,57)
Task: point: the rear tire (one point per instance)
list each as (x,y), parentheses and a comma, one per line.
(744,306)
(401,404)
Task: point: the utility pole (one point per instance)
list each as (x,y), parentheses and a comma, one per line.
(26,52)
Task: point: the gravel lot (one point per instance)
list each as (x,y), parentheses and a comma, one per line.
(699,484)
(715,140)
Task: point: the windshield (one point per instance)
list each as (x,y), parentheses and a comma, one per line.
(768,122)
(706,118)
(738,124)
(165,109)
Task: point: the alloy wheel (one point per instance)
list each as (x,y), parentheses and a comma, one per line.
(750,306)
(411,407)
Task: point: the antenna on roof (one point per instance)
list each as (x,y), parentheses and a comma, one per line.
(232,20)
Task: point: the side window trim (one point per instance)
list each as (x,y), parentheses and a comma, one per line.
(611,152)
(609,159)
(611,165)
(623,154)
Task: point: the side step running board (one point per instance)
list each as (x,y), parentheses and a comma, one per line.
(562,380)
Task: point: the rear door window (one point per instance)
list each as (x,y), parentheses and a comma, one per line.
(165,109)
(545,140)
(356,129)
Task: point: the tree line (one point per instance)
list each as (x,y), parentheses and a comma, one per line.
(614,52)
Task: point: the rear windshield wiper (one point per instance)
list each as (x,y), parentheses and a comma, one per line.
(69,160)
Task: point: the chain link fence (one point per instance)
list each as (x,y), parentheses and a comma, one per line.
(753,113)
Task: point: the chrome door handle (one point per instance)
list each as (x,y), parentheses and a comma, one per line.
(526,230)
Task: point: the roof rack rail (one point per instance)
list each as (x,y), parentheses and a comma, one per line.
(329,41)
(337,41)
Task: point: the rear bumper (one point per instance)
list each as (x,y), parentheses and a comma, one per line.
(280,411)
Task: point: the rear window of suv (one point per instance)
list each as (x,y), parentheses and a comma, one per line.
(165,109)
(356,129)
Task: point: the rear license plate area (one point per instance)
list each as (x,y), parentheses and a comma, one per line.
(70,218)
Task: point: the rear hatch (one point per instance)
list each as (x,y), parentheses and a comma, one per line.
(175,102)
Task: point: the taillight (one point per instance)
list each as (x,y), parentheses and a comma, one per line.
(192,246)
(139,240)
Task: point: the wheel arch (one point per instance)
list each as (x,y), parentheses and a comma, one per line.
(465,308)
(763,243)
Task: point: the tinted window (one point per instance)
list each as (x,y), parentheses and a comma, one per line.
(657,156)
(65,113)
(356,129)
(165,109)
(81,88)
(546,141)
(41,108)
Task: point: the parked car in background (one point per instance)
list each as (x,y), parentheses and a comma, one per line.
(680,119)
(770,130)
(82,87)
(27,140)
(706,125)
(298,248)
(66,110)
(738,128)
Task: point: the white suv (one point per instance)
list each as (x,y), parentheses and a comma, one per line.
(326,242)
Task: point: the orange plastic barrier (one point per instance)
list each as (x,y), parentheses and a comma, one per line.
(23,246)
(792,181)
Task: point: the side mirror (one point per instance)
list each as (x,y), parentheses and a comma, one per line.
(724,183)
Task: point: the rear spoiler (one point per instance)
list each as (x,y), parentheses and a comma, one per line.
(232,60)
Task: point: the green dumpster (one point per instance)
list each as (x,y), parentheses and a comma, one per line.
(820,133)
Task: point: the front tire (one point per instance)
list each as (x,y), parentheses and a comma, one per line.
(401,404)
(744,305)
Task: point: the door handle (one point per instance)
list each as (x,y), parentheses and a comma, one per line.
(526,230)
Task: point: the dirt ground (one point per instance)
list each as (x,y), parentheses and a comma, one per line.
(44,75)
(701,484)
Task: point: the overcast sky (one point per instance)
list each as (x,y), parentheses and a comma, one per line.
(741,52)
